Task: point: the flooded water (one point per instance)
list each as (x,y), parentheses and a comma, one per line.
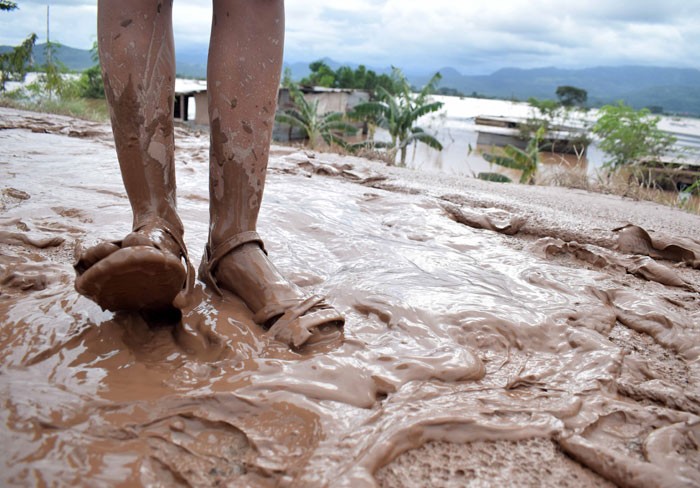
(454,126)
(469,322)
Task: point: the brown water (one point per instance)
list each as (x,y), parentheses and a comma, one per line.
(465,324)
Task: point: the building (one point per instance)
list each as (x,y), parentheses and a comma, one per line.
(186,92)
(329,100)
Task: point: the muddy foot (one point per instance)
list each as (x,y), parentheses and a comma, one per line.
(143,272)
(277,304)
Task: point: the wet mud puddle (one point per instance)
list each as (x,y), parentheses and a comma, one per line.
(561,358)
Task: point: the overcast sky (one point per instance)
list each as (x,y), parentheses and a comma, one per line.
(475,37)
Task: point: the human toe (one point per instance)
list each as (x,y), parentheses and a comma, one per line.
(88,257)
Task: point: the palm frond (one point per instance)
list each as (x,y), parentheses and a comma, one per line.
(497,177)
(422,110)
(522,159)
(420,135)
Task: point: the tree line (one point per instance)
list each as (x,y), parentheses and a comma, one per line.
(359,78)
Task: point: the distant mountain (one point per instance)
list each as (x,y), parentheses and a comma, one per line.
(191,60)
(73,59)
(676,90)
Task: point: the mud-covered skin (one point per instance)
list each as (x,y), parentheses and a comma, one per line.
(548,343)
(137,56)
(242,85)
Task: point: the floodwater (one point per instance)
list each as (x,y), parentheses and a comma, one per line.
(467,325)
(454,126)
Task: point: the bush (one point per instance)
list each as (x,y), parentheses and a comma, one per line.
(628,135)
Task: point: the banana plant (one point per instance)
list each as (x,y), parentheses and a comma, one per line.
(526,160)
(398,113)
(327,127)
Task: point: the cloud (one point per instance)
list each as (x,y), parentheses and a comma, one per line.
(474,37)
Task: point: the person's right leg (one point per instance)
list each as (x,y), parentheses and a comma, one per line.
(136,49)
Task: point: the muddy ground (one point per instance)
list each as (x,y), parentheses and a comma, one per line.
(496,335)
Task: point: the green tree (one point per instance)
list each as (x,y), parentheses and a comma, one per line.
(14,63)
(398,112)
(51,80)
(526,160)
(328,127)
(345,78)
(321,75)
(361,76)
(629,135)
(8,5)
(570,96)
(90,82)
(287,77)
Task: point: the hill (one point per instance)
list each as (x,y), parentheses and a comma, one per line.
(676,90)
(73,59)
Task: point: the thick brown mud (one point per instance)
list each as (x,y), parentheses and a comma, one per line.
(495,334)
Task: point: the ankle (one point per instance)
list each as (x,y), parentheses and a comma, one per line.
(169,220)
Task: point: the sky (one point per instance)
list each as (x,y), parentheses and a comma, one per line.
(474,37)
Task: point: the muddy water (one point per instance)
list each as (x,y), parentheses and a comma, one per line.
(455,128)
(464,325)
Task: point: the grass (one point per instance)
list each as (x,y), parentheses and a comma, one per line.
(95,110)
(621,183)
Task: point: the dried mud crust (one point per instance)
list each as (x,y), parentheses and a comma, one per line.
(533,462)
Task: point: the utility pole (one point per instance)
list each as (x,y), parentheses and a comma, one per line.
(48,49)
(48,39)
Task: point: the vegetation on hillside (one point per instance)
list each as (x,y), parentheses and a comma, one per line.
(54,89)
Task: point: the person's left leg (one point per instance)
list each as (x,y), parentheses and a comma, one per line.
(243,73)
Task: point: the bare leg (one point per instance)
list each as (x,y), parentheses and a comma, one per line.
(243,73)
(138,65)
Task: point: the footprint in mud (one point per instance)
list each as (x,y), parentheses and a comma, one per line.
(11,197)
(16,194)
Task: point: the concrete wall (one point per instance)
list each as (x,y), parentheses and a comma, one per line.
(328,101)
(202,109)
